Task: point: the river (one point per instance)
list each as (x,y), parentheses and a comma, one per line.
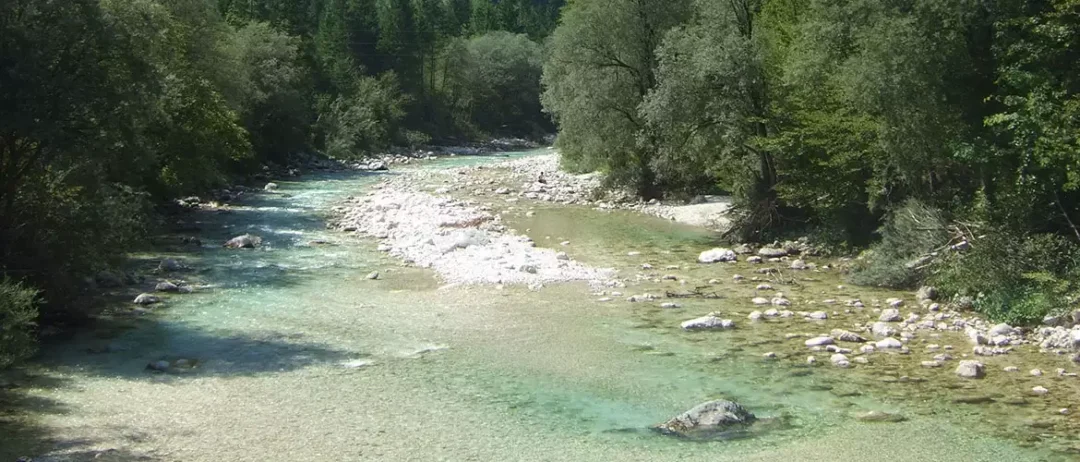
(297,355)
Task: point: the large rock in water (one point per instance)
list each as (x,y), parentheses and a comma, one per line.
(146,299)
(882,329)
(708,419)
(971,370)
(889,315)
(169,265)
(717,255)
(708,322)
(927,293)
(246,241)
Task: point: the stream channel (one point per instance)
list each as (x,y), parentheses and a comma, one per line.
(296,355)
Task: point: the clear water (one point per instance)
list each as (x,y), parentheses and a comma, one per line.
(485,373)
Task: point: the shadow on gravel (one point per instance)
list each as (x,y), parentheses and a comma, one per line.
(154,349)
(140,349)
(22,437)
(186,353)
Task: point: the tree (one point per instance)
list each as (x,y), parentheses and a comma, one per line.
(274,106)
(337,64)
(602,66)
(364,119)
(68,121)
(710,111)
(1039,96)
(493,83)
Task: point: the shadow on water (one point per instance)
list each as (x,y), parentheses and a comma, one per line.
(190,353)
(288,221)
(123,346)
(292,226)
(22,437)
(129,350)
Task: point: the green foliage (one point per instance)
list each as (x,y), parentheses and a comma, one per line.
(910,234)
(492,83)
(836,115)
(602,66)
(365,120)
(1013,277)
(18,311)
(184,107)
(274,106)
(72,135)
(705,116)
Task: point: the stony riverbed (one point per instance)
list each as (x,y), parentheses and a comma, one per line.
(780,296)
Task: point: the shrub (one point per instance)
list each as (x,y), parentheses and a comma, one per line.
(1014,278)
(17,314)
(911,232)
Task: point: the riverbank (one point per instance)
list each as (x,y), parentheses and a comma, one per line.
(914,331)
(539,179)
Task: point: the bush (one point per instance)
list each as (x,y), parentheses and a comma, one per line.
(17,314)
(1014,278)
(911,232)
(63,229)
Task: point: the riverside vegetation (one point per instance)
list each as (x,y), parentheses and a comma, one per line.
(919,127)
(112,108)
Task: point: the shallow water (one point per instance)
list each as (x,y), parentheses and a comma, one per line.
(296,354)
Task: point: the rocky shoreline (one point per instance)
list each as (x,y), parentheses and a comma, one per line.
(540,178)
(300,164)
(417,218)
(464,243)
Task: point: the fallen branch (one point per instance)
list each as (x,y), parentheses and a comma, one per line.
(1065,214)
(697,293)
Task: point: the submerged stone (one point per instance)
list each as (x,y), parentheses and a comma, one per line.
(889,343)
(768,252)
(973,399)
(971,370)
(170,264)
(889,315)
(146,299)
(245,241)
(819,341)
(880,416)
(846,336)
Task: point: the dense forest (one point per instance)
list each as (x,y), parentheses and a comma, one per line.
(944,134)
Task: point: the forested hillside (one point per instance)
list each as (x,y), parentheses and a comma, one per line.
(948,129)
(110,106)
